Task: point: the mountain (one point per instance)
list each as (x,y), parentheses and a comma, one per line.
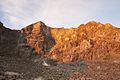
(90,41)
(39,52)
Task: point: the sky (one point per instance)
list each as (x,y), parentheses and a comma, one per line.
(16,14)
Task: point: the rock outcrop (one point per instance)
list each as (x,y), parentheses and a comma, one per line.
(8,40)
(91,41)
(38,36)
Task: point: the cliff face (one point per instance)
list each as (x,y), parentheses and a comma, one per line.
(38,36)
(91,41)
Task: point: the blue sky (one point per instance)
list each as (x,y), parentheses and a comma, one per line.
(16,14)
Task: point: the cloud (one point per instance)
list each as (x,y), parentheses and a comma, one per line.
(55,13)
(63,12)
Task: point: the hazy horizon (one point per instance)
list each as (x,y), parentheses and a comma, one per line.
(16,14)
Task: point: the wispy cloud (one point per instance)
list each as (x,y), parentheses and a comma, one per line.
(55,13)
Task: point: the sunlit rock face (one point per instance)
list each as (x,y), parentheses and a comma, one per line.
(38,36)
(91,41)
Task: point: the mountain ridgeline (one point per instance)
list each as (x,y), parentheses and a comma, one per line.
(90,41)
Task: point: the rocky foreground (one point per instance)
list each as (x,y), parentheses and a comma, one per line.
(39,52)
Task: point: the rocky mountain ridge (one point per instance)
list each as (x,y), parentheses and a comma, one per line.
(91,41)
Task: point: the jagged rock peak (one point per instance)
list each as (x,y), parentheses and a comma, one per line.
(34,28)
(38,23)
(38,35)
(94,24)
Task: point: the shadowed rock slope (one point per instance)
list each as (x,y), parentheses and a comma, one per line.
(8,40)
